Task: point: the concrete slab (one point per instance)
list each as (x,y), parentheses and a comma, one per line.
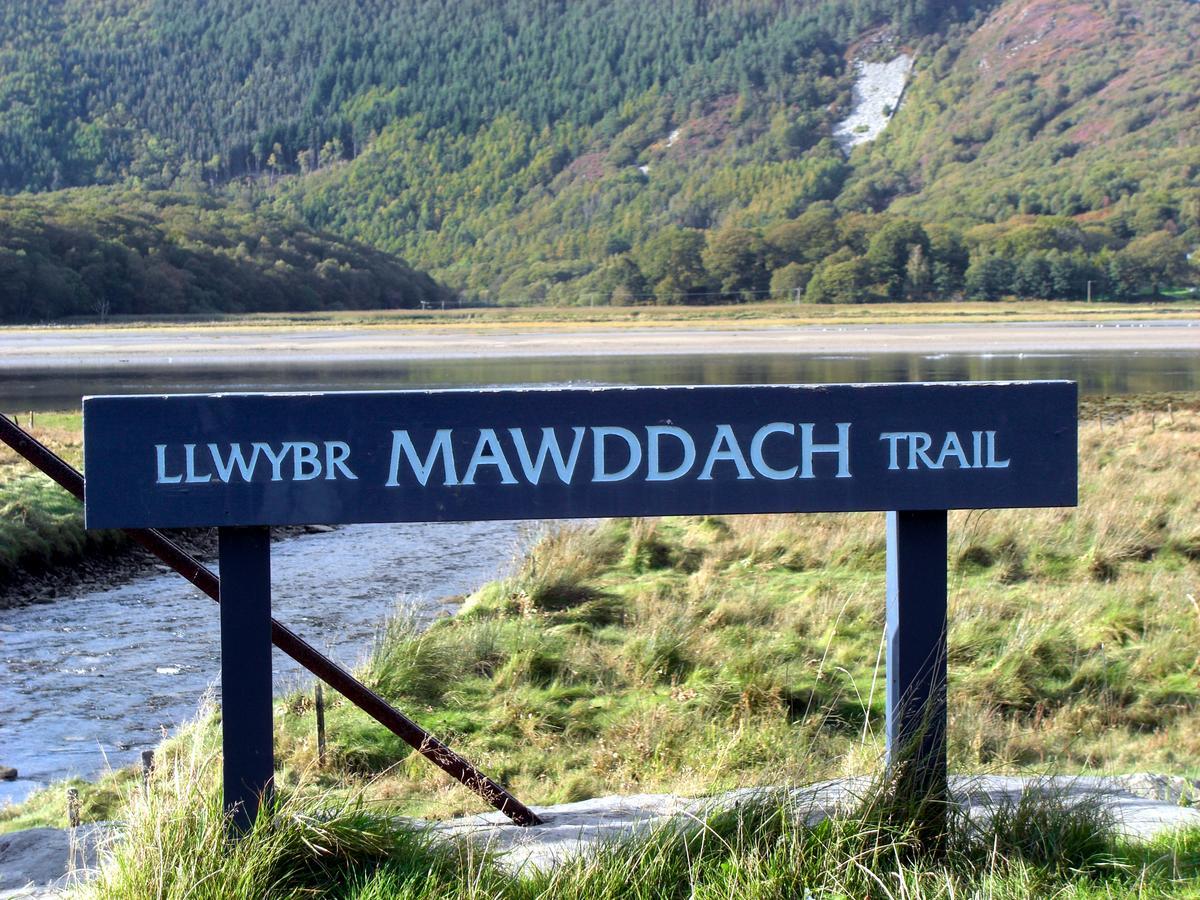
(1140,806)
(40,863)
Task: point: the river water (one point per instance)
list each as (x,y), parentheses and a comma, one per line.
(1106,372)
(89,682)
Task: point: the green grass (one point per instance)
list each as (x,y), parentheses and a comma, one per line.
(41,525)
(175,844)
(695,655)
(100,801)
(700,654)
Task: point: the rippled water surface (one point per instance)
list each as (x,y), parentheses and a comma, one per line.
(90,682)
(1108,372)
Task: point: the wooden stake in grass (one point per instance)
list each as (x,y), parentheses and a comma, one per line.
(73,807)
(147,770)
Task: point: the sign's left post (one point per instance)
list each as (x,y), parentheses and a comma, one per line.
(246,712)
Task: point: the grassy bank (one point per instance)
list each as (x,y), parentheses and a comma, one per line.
(699,654)
(41,525)
(694,655)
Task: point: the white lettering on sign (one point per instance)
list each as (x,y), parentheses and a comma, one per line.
(776,451)
(725,449)
(488,452)
(160,452)
(756,451)
(234,457)
(667,453)
(549,447)
(918,444)
(654,435)
(440,446)
(599,436)
(841,448)
(223,465)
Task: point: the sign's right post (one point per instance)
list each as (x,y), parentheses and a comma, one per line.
(916,666)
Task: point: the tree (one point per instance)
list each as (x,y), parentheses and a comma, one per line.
(808,238)
(331,151)
(618,281)
(843,278)
(1161,259)
(1068,279)
(890,252)
(918,276)
(736,259)
(1032,278)
(672,262)
(1126,280)
(950,259)
(790,282)
(989,277)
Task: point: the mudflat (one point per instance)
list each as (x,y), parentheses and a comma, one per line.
(88,348)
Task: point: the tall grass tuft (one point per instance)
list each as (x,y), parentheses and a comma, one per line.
(409,662)
(176,844)
(175,839)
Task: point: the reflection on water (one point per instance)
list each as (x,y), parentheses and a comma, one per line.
(1116,372)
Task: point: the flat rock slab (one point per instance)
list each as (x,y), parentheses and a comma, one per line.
(1140,806)
(41,863)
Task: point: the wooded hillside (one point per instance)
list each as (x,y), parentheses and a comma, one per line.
(100,252)
(628,152)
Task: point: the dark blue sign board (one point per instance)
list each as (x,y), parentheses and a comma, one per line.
(244,462)
(259,459)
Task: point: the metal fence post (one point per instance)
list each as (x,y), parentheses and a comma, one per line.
(320,710)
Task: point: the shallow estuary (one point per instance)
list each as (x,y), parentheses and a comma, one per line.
(88,682)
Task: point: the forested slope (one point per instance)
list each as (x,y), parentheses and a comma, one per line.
(93,89)
(99,252)
(1052,108)
(627,152)
(1042,150)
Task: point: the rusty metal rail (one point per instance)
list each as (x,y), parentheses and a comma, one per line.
(44,459)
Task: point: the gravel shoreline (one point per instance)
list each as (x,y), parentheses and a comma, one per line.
(101,571)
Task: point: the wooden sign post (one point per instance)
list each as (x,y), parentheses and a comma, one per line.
(245,462)
(247,720)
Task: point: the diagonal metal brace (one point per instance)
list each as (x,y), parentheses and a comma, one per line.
(44,459)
